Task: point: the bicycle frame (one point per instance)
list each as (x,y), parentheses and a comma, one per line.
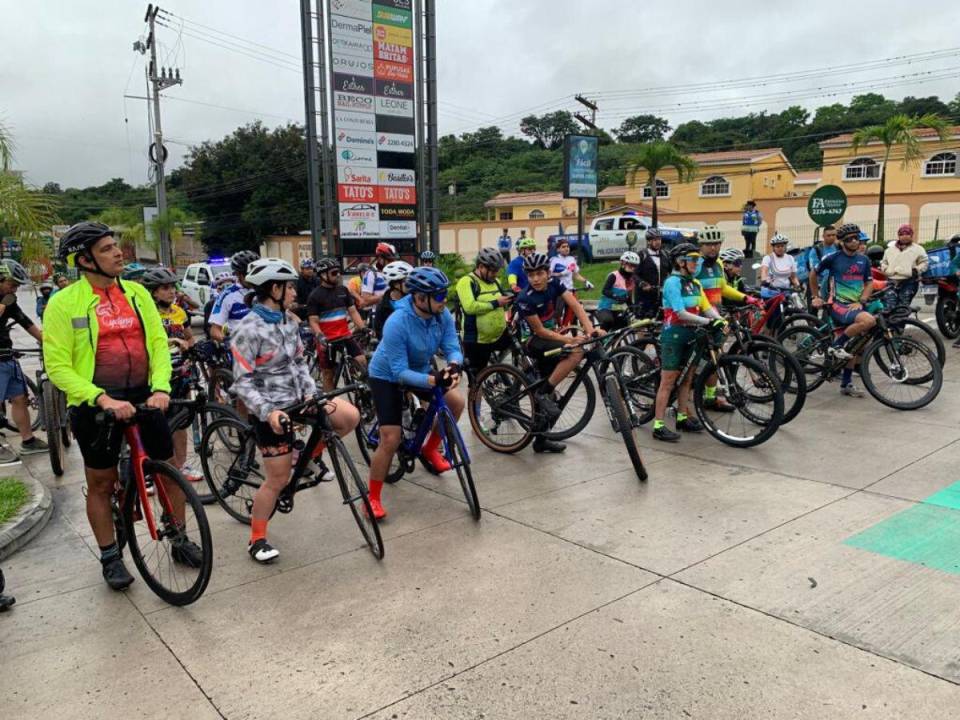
(138,458)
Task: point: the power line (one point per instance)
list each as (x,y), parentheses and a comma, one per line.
(269,48)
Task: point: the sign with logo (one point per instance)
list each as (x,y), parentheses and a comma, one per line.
(371,79)
(580,166)
(827,205)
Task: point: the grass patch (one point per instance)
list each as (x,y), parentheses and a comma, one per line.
(13,496)
(597,274)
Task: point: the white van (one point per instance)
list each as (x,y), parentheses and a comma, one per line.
(198,279)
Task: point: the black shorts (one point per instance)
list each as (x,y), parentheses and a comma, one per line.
(270,443)
(388,399)
(537,346)
(348,345)
(101,449)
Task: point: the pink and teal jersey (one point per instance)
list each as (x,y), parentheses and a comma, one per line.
(679,294)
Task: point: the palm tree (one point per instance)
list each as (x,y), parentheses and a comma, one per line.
(898,130)
(25,213)
(655,157)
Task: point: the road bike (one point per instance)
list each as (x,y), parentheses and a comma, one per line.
(234,471)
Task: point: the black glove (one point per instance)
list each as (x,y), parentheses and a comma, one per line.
(444,378)
(915,273)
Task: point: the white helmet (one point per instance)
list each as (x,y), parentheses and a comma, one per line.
(270,270)
(779,239)
(223,278)
(397,270)
(732,255)
(630,257)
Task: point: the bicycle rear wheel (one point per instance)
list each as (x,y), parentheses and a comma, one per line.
(620,415)
(228,454)
(456,454)
(175,577)
(755,395)
(639,378)
(577,405)
(501,409)
(51,422)
(354,491)
(901,373)
(202,419)
(809,348)
(786,369)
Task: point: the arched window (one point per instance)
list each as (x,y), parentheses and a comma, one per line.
(715,185)
(862,169)
(944,163)
(536,215)
(663,190)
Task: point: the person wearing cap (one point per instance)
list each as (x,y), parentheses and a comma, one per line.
(752,220)
(903,263)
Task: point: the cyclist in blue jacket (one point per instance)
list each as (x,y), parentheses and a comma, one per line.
(419,327)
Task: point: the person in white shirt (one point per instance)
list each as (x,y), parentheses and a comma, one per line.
(904,261)
(778,273)
(564,267)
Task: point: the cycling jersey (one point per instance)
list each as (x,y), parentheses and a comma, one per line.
(850,274)
(564,268)
(121,351)
(175,321)
(515,274)
(484,320)
(617,290)
(329,305)
(680,295)
(270,368)
(72,333)
(12,314)
(409,344)
(374,283)
(713,280)
(779,270)
(355,284)
(230,307)
(542,303)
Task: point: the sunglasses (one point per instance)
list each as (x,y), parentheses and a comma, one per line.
(438,296)
(334,272)
(690,258)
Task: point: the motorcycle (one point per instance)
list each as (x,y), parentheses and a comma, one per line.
(944,291)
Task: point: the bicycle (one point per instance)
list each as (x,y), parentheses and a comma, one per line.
(33,398)
(154,544)
(414,434)
(231,468)
(887,359)
(514,417)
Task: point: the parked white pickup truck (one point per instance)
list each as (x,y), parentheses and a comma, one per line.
(611,235)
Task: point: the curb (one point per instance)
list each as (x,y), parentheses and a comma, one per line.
(29,521)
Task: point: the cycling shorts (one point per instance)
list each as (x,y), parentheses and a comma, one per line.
(100,447)
(326,357)
(388,399)
(844,315)
(676,345)
(270,443)
(536,348)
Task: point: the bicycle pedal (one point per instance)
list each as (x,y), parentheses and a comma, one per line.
(285,504)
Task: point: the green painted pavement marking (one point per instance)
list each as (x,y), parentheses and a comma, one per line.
(927,534)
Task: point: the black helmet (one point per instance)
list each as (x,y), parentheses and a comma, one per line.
(848,229)
(81,237)
(155,277)
(955,240)
(536,261)
(490,257)
(327,264)
(683,249)
(428,255)
(875,253)
(652,233)
(241,260)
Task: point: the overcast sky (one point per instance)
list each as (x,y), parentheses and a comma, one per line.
(66,66)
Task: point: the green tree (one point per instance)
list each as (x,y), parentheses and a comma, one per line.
(919,106)
(896,131)
(653,158)
(548,131)
(25,213)
(641,129)
(954,108)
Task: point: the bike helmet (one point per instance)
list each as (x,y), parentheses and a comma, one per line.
(385,250)
(241,261)
(490,257)
(779,239)
(81,237)
(223,279)
(397,270)
(846,230)
(732,255)
(428,256)
(905,229)
(325,265)
(264,270)
(630,258)
(682,250)
(134,271)
(426,280)
(652,233)
(45,285)
(537,261)
(362,268)
(710,234)
(875,253)
(864,238)
(155,277)
(307,263)
(17,271)
(524,243)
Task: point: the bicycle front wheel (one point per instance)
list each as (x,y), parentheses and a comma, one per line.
(754,394)
(620,414)
(787,370)
(501,409)
(354,491)
(901,373)
(202,419)
(228,455)
(51,420)
(177,564)
(810,348)
(577,402)
(456,453)
(639,377)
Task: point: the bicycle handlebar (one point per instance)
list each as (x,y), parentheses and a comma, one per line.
(592,341)
(318,399)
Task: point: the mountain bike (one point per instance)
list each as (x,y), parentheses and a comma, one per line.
(155,526)
(898,371)
(231,466)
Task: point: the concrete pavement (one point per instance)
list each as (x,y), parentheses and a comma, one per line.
(762,583)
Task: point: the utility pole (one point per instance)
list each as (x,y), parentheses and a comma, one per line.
(314,169)
(160,79)
(592,124)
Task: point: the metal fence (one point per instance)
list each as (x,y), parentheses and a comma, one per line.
(931,229)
